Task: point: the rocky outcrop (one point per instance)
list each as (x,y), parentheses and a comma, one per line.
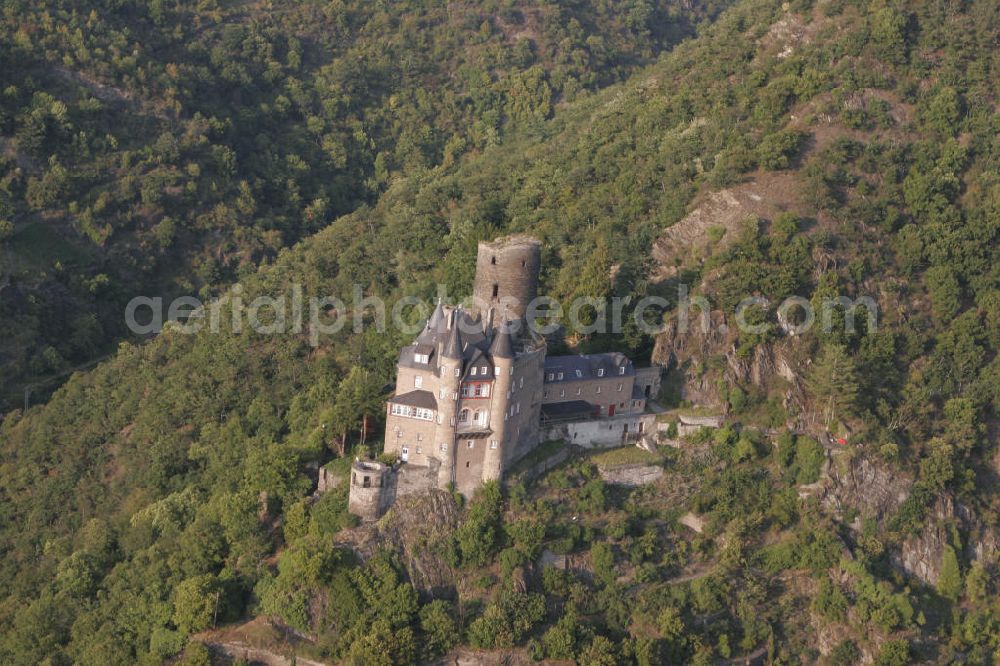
(921,555)
(688,345)
(868,485)
(413,528)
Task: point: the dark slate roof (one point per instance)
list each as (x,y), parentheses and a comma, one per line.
(637,392)
(453,344)
(465,338)
(417,398)
(568,409)
(478,360)
(502,346)
(588,365)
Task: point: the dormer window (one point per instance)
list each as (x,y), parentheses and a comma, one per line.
(579,374)
(552,376)
(621,370)
(600,372)
(475,371)
(483,371)
(422,358)
(559,376)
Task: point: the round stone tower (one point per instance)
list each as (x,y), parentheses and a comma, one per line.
(450,373)
(368,496)
(506,278)
(502,353)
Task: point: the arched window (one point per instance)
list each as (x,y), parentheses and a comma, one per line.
(463,416)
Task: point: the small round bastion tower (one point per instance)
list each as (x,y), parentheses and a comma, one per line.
(506,278)
(368,496)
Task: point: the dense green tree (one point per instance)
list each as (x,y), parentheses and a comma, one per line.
(833,382)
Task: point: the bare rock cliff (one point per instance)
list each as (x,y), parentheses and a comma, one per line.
(416,529)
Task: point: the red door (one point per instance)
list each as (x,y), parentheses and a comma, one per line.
(611,410)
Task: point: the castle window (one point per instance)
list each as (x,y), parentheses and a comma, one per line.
(466,463)
(472,444)
(493,261)
(419,450)
(418,381)
(420,438)
(444,448)
(579,391)
(463,416)
(524,262)
(481,418)
(619,386)
(597,390)
(496,290)
(562,393)
(496,371)
(493,444)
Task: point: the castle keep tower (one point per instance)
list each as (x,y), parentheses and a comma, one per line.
(506,278)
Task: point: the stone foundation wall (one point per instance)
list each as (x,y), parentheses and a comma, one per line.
(631,475)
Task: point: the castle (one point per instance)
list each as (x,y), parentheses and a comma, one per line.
(475,391)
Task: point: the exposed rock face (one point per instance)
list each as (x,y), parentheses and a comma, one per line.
(413,528)
(921,555)
(872,487)
(688,345)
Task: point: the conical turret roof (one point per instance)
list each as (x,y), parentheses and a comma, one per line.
(502,347)
(453,343)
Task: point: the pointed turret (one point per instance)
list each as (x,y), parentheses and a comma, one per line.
(502,347)
(453,343)
(436,317)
